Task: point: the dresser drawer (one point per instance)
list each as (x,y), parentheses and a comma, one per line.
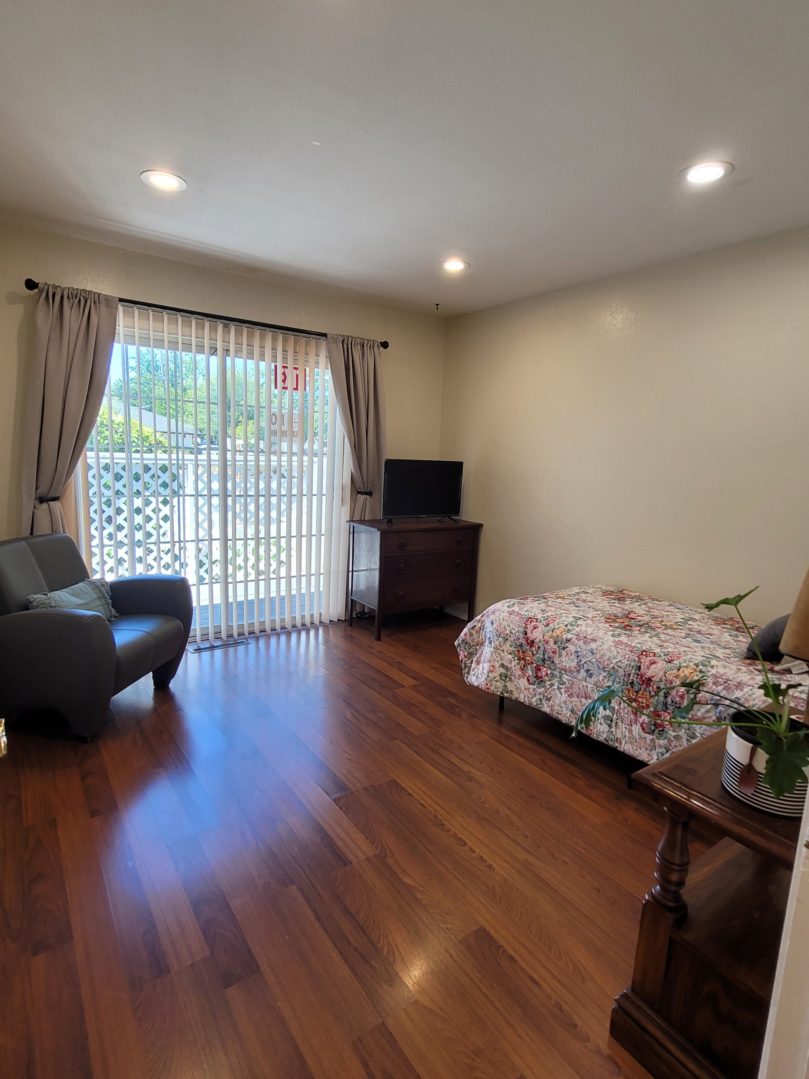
(426,592)
(408,567)
(461,539)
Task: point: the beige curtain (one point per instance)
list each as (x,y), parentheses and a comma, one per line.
(356,379)
(74,331)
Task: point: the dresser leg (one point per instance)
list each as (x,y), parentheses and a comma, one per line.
(350,581)
(377,625)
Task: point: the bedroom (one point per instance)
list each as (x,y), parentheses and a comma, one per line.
(624,378)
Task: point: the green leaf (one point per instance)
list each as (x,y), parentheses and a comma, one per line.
(685,710)
(729,601)
(787,759)
(776,692)
(589,713)
(694,684)
(769,741)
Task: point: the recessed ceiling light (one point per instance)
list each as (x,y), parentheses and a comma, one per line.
(163,181)
(708,172)
(455,265)
(316,142)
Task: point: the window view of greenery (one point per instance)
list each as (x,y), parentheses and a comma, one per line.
(169,391)
(202,465)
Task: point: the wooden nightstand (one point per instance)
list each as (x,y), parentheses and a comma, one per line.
(709,933)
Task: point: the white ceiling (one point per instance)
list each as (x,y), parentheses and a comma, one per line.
(542,140)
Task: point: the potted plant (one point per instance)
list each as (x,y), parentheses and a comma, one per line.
(766,749)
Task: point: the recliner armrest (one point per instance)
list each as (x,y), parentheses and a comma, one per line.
(155,593)
(45,650)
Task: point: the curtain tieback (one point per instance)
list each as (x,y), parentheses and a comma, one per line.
(369,493)
(48,498)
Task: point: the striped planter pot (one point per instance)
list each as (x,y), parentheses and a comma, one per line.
(737,756)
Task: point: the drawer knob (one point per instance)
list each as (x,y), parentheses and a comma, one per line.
(402,567)
(400,594)
(402,545)
(458,541)
(457,563)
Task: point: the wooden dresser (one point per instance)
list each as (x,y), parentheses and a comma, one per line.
(411,563)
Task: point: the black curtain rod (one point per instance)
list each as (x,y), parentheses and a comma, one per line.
(33,285)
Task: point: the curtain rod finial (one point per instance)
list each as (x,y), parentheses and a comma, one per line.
(31,284)
(384,344)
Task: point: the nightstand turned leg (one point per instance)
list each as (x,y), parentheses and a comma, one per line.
(671,869)
(663,907)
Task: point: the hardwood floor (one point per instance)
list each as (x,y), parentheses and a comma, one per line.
(318,856)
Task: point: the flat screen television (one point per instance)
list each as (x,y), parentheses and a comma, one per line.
(421,488)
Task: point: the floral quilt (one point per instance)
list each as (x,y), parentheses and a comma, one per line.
(556,652)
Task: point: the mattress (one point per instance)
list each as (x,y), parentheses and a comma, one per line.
(558,651)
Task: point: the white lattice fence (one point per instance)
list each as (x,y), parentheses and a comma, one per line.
(157,517)
(130,514)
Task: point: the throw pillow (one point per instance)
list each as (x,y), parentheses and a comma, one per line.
(91,595)
(768,640)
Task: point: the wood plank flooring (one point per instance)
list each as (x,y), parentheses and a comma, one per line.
(317,856)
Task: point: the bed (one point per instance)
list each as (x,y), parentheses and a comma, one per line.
(558,651)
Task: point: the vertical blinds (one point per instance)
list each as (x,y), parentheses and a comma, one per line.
(219,454)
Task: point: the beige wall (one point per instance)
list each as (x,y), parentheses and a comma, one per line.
(412,368)
(649,430)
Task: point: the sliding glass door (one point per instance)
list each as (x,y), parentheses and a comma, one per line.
(219,454)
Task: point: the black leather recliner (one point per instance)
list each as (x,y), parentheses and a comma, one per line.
(75,661)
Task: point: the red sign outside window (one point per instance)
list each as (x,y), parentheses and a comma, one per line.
(290,378)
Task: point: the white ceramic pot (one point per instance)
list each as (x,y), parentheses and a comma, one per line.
(738,753)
